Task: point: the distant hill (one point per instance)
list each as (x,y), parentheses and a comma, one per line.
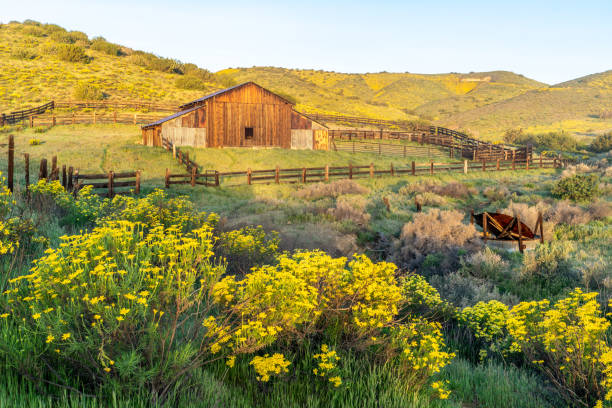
(40,62)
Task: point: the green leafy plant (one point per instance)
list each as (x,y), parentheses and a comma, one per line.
(580,187)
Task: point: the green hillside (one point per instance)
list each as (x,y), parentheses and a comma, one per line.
(40,62)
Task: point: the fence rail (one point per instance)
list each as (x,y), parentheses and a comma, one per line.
(137,105)
(388,149)
(182,157)
(109,182)
(89,118)
(17,116)
(326,173)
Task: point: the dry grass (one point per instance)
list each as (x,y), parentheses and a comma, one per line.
(566,213)
(430,199)
(351,207)
(333,189)
(435,231)
(496,193)
(600,209)
(453,189)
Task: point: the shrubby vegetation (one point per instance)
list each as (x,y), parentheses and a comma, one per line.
(87,92)
(72,53)
(558,141)
(602,143)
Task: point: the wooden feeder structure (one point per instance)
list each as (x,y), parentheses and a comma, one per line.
(502,227)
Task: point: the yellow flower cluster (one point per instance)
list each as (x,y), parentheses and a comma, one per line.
(327,365)
(269,365)
(441,387)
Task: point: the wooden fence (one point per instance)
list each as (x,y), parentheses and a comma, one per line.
(471,148)
(108,181)
(92,118)
(113,105)
(182,157)
(326,173)
(388,149)
(18,116)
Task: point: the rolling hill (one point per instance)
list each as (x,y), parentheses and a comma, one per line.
(40,62)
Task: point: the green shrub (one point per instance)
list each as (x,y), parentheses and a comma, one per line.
(602,143)
(24,54)
(201,73)
(543,141)
(71,37)
(87,92)
(155,63)
(100,44)
(581,187)
(247,247)
(72,53)
(190,82)
(548,270)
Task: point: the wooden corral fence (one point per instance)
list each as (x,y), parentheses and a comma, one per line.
(326,173)
(91,118)
(388,149)
(18,116)
(128,181)
(182,157)
(471,148)
(113,105)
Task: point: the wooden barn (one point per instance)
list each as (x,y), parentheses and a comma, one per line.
(245,115)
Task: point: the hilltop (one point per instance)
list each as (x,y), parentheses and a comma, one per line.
(40,62)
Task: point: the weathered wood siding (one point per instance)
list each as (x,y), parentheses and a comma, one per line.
(301,139)
(248,106)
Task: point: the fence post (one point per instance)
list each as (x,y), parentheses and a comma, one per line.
(520,233)
(111,177)
(32,121)
(193,176)
(304,175)
(465,166)
(484,165)
(137,182)
(451,152)
(497,166)
(353,146)
(75,186)
(249,176)
(404,151)
(527,163)
(167,178)
(541,222)
(42,172)
(173,151)
(379,149)
(350,171)
(392,170)
(94,117)
(11,162)
(513,161)
(115,117)
(64,176)
(431,167)
(53,165)
(69,181)
(26,158)
(134,118)
(540,160)
(216,178)
(277,175)
(327,172)
(371,170)
(53,123)
(413,168)
(73,118)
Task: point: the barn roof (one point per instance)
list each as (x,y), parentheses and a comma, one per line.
(173,116)
(222,91)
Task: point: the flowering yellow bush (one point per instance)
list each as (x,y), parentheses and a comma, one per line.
(8,243)
(487,322)
(110,302)
(327,365)
(247,247)
(568,342)
(269,365)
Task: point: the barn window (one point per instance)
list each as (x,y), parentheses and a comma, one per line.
(248,133)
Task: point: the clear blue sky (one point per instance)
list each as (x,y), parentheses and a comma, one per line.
(551,41)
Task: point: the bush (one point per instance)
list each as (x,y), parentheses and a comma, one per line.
(190,82)
(577,188)
(435,231)
(110,303)
(246,248)
(71,37)
(565,213)
(602,143)
(543,141)
(430,199)
(498,193)
(351,207)
(87,92)
(24,54)
(155,63)
(549,269)
(600,209)
(100,44)
(485,264)
(72,53)
(333,189)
